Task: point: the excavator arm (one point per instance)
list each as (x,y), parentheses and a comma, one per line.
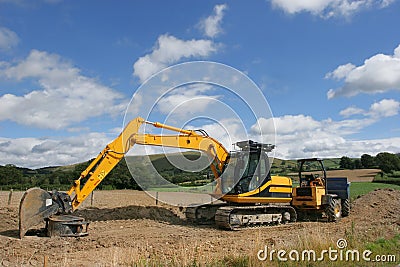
(37,205)
(101,166)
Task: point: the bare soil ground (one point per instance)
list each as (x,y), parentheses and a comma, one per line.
(128,228)
(358,175)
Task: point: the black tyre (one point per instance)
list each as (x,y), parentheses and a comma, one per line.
(345,207)
(334,210)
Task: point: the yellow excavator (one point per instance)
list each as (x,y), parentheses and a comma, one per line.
(249,194)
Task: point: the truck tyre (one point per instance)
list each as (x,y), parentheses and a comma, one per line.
(334,210)
(345,207)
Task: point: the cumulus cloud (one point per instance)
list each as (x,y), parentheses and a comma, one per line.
(385,108)
(8,39)
(350,111)
(190,99)
(211,25)
(287,124)
(170,50)
(41,152)
(378,74)
(381,109)
(341,72)
(300,136)
(226,131)
(33,152)
(328,8)
(297,136)
(66,96)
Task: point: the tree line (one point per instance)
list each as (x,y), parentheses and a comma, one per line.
(385,161)
(120,177)
(61,178)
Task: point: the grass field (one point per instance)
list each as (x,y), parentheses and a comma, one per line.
(361,188)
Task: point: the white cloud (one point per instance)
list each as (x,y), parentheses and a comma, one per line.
(385,108)
(41,152)
(288,124)
(350,111)
(226,131)
(338,147)
(341,72)
(8,39)
(378,74)
(381,109)
(211,25)
(296,6)
(299,136)
(170,50)
(190,99)
(328,8)
(66,97)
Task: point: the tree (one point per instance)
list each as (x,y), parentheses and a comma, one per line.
(120,177)
(388,162)
(346,163)
(368,161)
(357,164)
(10,175)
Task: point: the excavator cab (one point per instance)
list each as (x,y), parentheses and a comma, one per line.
(250,168)
(250,180)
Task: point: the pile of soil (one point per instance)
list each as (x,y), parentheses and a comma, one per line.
(381,206)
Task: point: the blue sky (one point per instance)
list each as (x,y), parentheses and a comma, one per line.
(330,71)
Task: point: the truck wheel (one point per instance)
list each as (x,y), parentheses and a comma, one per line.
(345,207)
(334,210)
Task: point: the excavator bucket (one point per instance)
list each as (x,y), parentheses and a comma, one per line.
(36,206)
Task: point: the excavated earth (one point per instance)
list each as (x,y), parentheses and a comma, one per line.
(127,229)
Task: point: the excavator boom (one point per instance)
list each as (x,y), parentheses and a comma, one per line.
(38,205)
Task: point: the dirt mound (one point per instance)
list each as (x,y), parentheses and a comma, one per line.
(132,212)
(381,206)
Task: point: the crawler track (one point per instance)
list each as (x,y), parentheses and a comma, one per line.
(202,214)
(237,217)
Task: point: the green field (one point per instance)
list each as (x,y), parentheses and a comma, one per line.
(361,188)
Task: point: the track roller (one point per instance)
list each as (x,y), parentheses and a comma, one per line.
(236,217)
